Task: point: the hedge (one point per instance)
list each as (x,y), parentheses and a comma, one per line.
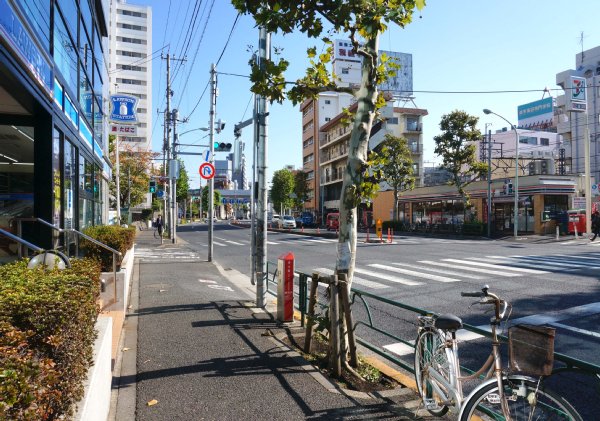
(114,236)
(47,320)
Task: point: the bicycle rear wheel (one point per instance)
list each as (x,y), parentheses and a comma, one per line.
(524,403)
(430,351)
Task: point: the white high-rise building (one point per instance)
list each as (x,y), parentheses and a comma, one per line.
(130,65)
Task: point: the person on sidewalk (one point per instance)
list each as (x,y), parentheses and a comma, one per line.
(159,227)
(595,224)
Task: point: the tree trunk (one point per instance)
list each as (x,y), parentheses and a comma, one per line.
(395,204)
(357,158)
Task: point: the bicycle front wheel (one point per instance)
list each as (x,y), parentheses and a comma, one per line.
(525,402)
(431,351)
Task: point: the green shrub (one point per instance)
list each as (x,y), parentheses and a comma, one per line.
(47,332)
(114,236)
(473,228)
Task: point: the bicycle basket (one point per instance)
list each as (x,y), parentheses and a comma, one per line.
(531,349)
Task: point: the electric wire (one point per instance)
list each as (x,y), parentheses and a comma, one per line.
(190,34)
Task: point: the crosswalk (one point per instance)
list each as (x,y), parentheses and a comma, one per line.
(451,270)
(156,254)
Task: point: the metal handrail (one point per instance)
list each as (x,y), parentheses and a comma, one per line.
(78,234)
(19,240)
(104,246)
(40,220)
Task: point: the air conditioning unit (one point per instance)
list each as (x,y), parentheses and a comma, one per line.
(532,169)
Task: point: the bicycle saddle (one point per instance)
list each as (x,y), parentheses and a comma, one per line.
(448,322)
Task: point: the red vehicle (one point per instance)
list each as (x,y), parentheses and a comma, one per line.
(333,221)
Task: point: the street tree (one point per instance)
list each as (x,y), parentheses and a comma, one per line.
(183,183)
(134,172)
(282,189)
(394,161)
(300,188)
(216,198)
(363,21)
(456,147)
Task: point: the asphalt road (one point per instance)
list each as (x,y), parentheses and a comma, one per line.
(547,282)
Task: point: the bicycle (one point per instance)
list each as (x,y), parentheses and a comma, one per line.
(502,395)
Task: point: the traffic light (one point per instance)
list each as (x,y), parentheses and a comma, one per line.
(152,186)
(222,147)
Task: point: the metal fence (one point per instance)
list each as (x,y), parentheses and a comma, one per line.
(565,362)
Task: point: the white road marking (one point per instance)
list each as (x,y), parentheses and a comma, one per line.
(273,243)
(221,287)
(358,280)
(471,269)
(414,273)
(207,281)
(387,277)
(533,271)
(545,262)
(444,271)
(493,266)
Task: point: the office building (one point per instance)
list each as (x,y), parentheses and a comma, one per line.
(130,63)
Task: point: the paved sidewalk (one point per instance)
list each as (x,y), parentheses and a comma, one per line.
(194,347)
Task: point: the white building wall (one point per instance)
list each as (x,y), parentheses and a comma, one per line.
(139,56)
(572,124)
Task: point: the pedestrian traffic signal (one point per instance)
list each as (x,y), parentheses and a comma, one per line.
(222,147)
(152,186)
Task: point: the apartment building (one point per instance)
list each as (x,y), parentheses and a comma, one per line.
(333,149)
(130,63)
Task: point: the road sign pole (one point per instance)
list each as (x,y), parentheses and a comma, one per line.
(211,182)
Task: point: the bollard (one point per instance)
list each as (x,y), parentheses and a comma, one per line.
(367,235)
(302,228)
(389,235)
(557,233)
(285,287)
(318,230)
(576,236)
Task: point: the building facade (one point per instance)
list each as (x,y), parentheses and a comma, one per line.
(130,66)
(333,154)
(315,113)
(572,121)
(53,90)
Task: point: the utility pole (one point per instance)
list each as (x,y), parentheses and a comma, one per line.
(264,49)
(173,175)
(489,185)
(118,180)
(168,140)
(211,181)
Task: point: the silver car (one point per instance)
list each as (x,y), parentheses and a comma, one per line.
(288,222)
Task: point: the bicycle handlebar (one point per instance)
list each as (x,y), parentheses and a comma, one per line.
(472,294)
(489,298)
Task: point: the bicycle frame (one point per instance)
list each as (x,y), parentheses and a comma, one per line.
(451,389)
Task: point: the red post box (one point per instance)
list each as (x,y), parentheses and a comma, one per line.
(285,287)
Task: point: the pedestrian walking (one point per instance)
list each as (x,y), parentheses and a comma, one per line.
(595,224)
(159,227)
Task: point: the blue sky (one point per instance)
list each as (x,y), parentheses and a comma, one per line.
(471,47)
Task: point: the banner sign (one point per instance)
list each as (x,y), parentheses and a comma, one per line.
(123,130)
(578,101)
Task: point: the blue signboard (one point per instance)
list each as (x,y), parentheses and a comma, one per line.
(24,45)
(123,108)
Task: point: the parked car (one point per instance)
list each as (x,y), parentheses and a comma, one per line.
(288,222)
(275,220)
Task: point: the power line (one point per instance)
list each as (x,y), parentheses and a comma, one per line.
(229,37)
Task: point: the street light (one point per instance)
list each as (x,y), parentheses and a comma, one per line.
(516,184)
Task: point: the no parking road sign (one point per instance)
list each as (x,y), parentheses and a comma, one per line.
(207,170)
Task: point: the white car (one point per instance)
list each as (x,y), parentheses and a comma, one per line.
(275,220)
(288,222)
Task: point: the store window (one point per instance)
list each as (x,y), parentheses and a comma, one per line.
(16,175)
(65,54)
(70,183)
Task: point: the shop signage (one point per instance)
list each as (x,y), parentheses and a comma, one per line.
(123,108)
(578,101)
(123,130)
(24,46)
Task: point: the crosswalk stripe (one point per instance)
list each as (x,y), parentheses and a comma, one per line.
(545,261)
(219,244)
(524,270)
(358,280)
(273,243)
(471,269)
(414,273)
(444,271)
(387,277)
(493,266)
(235,242)
(595,259)
(515,263)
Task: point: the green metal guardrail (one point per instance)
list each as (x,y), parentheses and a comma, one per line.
(568,363)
